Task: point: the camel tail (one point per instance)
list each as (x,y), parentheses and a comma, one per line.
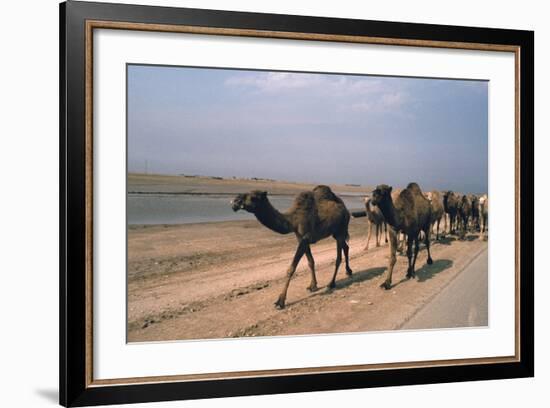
(359,214)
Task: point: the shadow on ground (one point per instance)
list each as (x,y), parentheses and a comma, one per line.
(343,283)
(429,271)
(447,240)
(50,395)
(360,276)
(472,237)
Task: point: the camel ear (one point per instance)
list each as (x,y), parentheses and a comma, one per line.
(390,189)
(263,194)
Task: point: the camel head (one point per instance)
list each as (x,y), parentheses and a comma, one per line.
(381,193)
(249,201)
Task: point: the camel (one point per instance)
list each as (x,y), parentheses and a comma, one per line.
(475,212)
(375,218)
(484,215)
(464,212)
(450,203)
(410,213)
(314,215)
(438,211)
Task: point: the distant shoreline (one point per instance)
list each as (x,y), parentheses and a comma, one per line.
(138,183)
(218,194)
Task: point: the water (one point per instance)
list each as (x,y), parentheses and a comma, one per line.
(186,209)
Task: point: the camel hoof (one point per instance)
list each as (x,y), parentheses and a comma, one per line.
(430,261)
(366,249)
(331,285)
(411,275)
(386,285)
(312,288)
(349,272)
(280,304)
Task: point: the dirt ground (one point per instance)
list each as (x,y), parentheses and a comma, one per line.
(215,280)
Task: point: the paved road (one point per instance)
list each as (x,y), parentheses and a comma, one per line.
(462,303)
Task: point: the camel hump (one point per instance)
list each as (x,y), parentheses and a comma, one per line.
(406,195)
(414,187)
(325,193)
(305,201)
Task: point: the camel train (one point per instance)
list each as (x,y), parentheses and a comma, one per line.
(408,216)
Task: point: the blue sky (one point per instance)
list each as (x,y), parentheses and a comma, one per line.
(319,128)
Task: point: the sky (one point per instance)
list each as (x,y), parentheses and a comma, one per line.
(309,127)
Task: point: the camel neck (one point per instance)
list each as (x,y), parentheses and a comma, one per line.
(273,219)
(388,210)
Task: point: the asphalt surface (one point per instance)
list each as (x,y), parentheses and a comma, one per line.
(462,303)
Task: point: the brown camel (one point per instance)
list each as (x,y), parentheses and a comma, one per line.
(484,215)
(450,203)
(313,216)
(410,213)
(438,211)
(375,218)
(464,212)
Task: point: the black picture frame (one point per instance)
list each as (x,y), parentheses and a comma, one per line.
(75,387)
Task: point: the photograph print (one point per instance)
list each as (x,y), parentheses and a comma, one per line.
(270,203)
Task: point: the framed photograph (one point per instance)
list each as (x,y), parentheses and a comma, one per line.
(256,204)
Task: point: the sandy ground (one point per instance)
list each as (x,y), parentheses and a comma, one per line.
(152,183)
(214,280)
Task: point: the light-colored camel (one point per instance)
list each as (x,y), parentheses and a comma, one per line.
(438,211)
(410,213)
(484,216)
(375,219)
(313,216)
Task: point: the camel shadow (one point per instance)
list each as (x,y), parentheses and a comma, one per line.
(343,283)
(469,238)
(358,277)
(447,240)
(429,271)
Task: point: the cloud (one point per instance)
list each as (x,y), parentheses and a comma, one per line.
(282,82)
(350,94)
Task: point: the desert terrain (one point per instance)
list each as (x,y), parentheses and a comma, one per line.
(220,279)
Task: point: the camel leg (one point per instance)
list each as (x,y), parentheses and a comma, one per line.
(280,303)
(386,232)
(429,261)
(437,230)
(378,234)
(481,229)
(400,242)
(452,223)
(393,248)
(345,247)
(313,285)
(369,235)
(410,240)
(332,282)
(415,255)
(464,227)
